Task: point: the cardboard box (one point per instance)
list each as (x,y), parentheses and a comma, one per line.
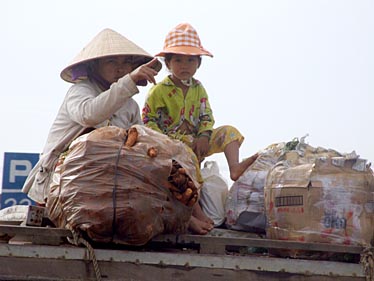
(328,201)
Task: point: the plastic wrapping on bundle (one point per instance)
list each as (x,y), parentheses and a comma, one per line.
(320,195)
(213,193)
(244,205)
(115,193)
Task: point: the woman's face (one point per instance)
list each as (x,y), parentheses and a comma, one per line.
(115,67)
(183,67)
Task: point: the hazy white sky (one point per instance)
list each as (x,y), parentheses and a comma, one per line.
(281,69)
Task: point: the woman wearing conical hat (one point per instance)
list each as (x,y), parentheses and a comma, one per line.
(105,76)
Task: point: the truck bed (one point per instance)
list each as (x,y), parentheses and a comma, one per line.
(44,253)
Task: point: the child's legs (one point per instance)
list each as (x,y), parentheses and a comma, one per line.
(196,163)
(222,137)
(232,153)
(228,139)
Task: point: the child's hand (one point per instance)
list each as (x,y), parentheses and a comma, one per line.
(201,147)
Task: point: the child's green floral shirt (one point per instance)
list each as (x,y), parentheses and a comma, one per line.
(166,108)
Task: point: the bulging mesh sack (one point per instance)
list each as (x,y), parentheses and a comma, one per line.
(119,192)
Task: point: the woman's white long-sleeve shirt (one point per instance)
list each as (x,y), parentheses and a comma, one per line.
(84,106)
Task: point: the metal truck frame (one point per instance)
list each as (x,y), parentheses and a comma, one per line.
(47,253)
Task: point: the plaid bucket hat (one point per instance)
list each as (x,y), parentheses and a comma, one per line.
(183,39)
(107,43)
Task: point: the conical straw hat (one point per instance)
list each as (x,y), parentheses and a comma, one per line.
(106,43)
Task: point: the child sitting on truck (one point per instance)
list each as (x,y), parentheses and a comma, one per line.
(179,107)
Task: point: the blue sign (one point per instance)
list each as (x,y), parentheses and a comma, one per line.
(17,166)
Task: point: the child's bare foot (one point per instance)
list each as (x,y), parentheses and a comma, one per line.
(208,220)
(197,226)
(237,170)
(200,215)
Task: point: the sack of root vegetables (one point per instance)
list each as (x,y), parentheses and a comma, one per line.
(124,186)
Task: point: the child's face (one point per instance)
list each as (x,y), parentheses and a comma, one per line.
(183,67)
(113,68)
